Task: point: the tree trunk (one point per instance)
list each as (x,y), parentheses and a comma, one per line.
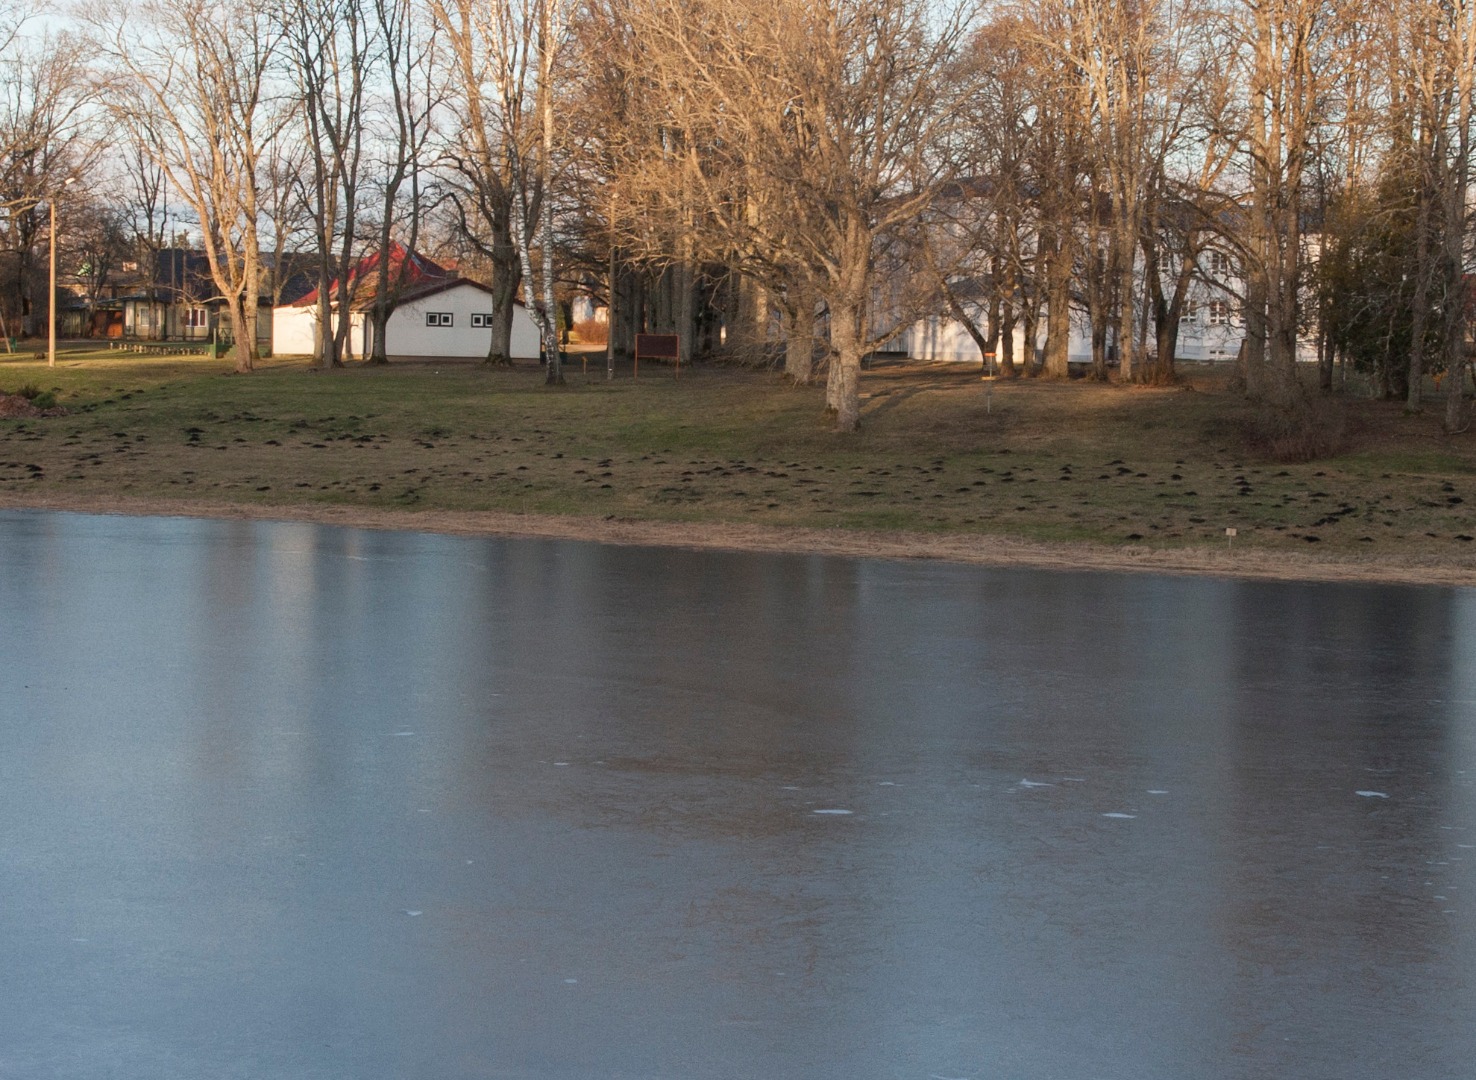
(1100,313)
(1166,312)
(799,343)
(1030,347)
(1456,283)
(506,277)
(1099,320)
(1057,363)
(684,279)
(748,327)
(546,46)
(243,328)
(328,355)
(379,311)
(612,309)
(1127,351)
(1282,337)
(845,377)
(983,341)
(379,317)
(1006,356)
(1252,361)
(1166,341)
(1424,272)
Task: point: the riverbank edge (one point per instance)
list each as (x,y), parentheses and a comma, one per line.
(967,549)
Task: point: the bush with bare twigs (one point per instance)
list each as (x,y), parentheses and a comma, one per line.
(1313,428)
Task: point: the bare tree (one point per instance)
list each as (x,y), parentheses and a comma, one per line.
(525,38)
(488,130)
(330,48)
(1110,65)
(99,242)
(837,115)
(188,79)
(1059,165)
(409,98)
(1460,50)
(1285,65)
(45,139)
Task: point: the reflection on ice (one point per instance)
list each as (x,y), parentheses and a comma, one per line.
(194,778)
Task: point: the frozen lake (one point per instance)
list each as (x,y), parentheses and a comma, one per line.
(285,802)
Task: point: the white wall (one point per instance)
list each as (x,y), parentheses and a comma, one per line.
(295,331)
(944,339)
(408,334)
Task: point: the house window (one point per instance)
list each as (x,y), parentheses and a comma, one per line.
(1219,263)
(480,320)
(1190,312)
(438,318)
(196,318)
(1219,312)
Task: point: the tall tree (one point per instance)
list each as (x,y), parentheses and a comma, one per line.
(46,137)
(1456,278)
(489,128)
(330,48)
(409,98)
(189,81)
(525,40)
(839,111)
(1287,63)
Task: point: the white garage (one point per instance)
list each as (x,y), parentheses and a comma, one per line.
(450,319)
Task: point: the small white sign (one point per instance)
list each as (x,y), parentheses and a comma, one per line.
(1230,532)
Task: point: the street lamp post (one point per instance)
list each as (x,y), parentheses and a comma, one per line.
(51,306)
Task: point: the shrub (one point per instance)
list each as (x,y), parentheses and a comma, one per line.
(1312,428)
(591,331)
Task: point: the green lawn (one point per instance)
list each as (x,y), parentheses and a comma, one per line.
(1030,460)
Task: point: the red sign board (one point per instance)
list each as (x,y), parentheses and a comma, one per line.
(658,347)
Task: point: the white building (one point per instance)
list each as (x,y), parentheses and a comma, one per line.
(1211,326)
(449,318)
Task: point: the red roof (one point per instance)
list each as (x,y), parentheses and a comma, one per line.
(418,272)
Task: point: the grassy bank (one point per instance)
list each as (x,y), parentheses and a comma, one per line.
(939,454)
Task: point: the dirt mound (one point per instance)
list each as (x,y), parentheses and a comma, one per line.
(13,406)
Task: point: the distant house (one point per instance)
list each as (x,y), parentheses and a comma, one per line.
(171,297)
(1211,326)
(439,315)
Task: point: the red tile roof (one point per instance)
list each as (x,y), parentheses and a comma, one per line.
(413,271)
